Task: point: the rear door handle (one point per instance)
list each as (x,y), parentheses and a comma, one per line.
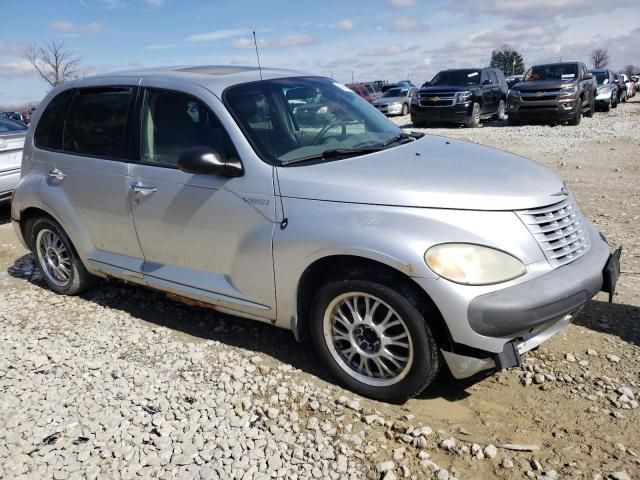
(57,174)
(143,189)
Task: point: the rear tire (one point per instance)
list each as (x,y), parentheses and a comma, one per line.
(352,345)
(502,107)
(57,259)
(474,121)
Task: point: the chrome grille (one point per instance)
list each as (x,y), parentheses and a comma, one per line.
(430,99)
(559,230)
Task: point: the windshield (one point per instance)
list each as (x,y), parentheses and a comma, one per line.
(396,92)
(559,71)
(289,119)
(601,77)
(457,77)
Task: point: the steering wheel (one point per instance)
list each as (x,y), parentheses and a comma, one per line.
(324,131)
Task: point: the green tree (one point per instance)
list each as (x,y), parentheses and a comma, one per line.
(507,60)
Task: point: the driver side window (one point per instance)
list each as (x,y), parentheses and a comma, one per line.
(174,122)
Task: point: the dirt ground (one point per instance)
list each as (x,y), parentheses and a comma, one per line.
(565,399)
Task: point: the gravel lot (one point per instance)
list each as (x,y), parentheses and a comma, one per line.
(124,383)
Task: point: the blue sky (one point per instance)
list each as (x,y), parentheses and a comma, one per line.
(371,39)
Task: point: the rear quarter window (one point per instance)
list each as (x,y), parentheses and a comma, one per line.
(48,133)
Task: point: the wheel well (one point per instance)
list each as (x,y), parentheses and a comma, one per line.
(27,217)
(352,267)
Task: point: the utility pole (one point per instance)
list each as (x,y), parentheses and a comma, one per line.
(352,76)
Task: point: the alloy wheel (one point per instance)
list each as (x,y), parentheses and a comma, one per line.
(54,257)
(368,339)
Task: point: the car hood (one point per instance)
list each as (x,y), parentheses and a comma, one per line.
(433,172)
(385,100)
(448,88)
(543,84)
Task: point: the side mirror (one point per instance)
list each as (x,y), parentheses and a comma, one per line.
(588,76)
(486,82)
(205,160)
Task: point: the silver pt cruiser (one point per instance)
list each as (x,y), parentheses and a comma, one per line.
(286,198)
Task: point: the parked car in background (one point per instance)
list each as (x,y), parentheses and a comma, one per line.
(392,255)
(607,90)
(374,89)
(628,85)
(361,90)
(622,87)
(12,135)
(15,116)
(395,101)
(464,96)
(554,92)
(401,83)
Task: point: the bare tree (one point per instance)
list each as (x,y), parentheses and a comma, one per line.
(600,57)
(52,62)
(631,70)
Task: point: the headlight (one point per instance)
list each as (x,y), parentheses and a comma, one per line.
(462,97)
(471,264)
(568,90)
(395,104)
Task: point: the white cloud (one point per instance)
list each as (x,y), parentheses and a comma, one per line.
(345,24)
(15,68)
(65,26)
(407,24)
(216,35)
(293,40)
(402,3)
(524,9)
(155,3)
(388,51)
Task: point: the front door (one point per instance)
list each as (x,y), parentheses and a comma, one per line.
(206,237)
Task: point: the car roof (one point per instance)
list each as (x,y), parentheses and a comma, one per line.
(213,77)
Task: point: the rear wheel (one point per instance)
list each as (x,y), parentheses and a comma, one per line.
(373,339)
(474,121)
(57,260)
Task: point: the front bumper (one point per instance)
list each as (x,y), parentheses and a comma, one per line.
(389,109)
(524,315)
(456,113)
(560,109)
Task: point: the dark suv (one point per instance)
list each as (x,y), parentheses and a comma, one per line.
(555,92)
(464,96)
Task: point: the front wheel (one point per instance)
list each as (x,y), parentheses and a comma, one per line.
(474,121)
(405,109)
(577,118)
(374,340)
(592,108)
(57,260)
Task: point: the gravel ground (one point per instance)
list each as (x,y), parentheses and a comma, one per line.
(124,383)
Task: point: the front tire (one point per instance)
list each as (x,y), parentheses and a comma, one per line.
(373,339)
(474,121)
(57,259)
(576,119)
(405,110)
(592,109)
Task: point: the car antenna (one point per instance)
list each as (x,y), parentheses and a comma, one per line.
(285,220)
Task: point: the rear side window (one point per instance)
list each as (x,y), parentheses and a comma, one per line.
(49,130)
(96,123)
(173,122)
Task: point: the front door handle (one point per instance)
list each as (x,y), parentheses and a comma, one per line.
(56,174)
(143,189)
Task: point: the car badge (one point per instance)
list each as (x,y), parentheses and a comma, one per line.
(435,99)
(539,94)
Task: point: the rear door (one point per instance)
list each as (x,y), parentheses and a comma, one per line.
(487,93)
(206,237)
(85,155)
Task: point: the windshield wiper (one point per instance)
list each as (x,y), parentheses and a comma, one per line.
(397,138)
(335,152)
